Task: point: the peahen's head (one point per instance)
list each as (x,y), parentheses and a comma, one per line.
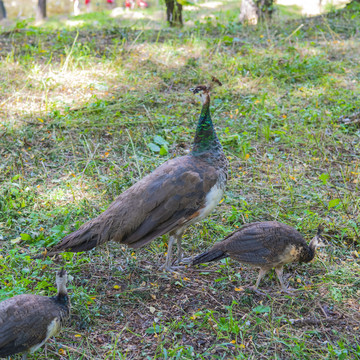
(203,91)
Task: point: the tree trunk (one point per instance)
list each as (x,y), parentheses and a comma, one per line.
(248,12)
(41,10)
(251,11)
(266,8)
(173,13)
(2,10)
(77,7)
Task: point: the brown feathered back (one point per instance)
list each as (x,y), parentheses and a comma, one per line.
(24,321)
(261,243)
(27,321)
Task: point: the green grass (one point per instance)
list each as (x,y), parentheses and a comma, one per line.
(86,113)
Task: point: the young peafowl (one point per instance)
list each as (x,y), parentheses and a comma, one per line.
(177,194)
(266,245)
(28,321)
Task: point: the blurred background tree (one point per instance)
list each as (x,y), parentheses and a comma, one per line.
(174,12)
(353,3)
(251,11)
(2,10)
(41,10)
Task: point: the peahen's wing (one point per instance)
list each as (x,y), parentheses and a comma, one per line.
(261,242)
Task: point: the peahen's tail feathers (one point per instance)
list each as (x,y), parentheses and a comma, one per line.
(85,238)
(211,255)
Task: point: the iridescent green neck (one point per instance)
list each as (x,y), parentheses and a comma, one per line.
(205,137)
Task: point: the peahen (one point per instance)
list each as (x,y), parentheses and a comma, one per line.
(266,245)
(28,321)
(175,195)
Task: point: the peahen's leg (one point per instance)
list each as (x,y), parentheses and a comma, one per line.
(167,265)
(168,262)
(180,253)
(262,273)
(279,272)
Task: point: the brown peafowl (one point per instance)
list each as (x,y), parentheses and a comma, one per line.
(28,321)
(266,245)
(175,195)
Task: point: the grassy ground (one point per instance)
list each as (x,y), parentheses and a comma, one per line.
(81,115)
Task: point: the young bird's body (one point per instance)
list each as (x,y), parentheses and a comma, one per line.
(28,321)
(266,245)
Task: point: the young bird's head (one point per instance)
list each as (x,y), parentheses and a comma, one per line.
(61,280)
(317,241)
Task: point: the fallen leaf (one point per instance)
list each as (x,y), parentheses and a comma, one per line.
(16,240)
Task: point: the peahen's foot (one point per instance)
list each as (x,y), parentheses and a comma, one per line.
(289,291)
(171,268)
(186,261)
(256,290)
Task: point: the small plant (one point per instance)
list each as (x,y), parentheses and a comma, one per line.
(159,145)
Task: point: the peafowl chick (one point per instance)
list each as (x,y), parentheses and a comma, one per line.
(266,245)
(28,321)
